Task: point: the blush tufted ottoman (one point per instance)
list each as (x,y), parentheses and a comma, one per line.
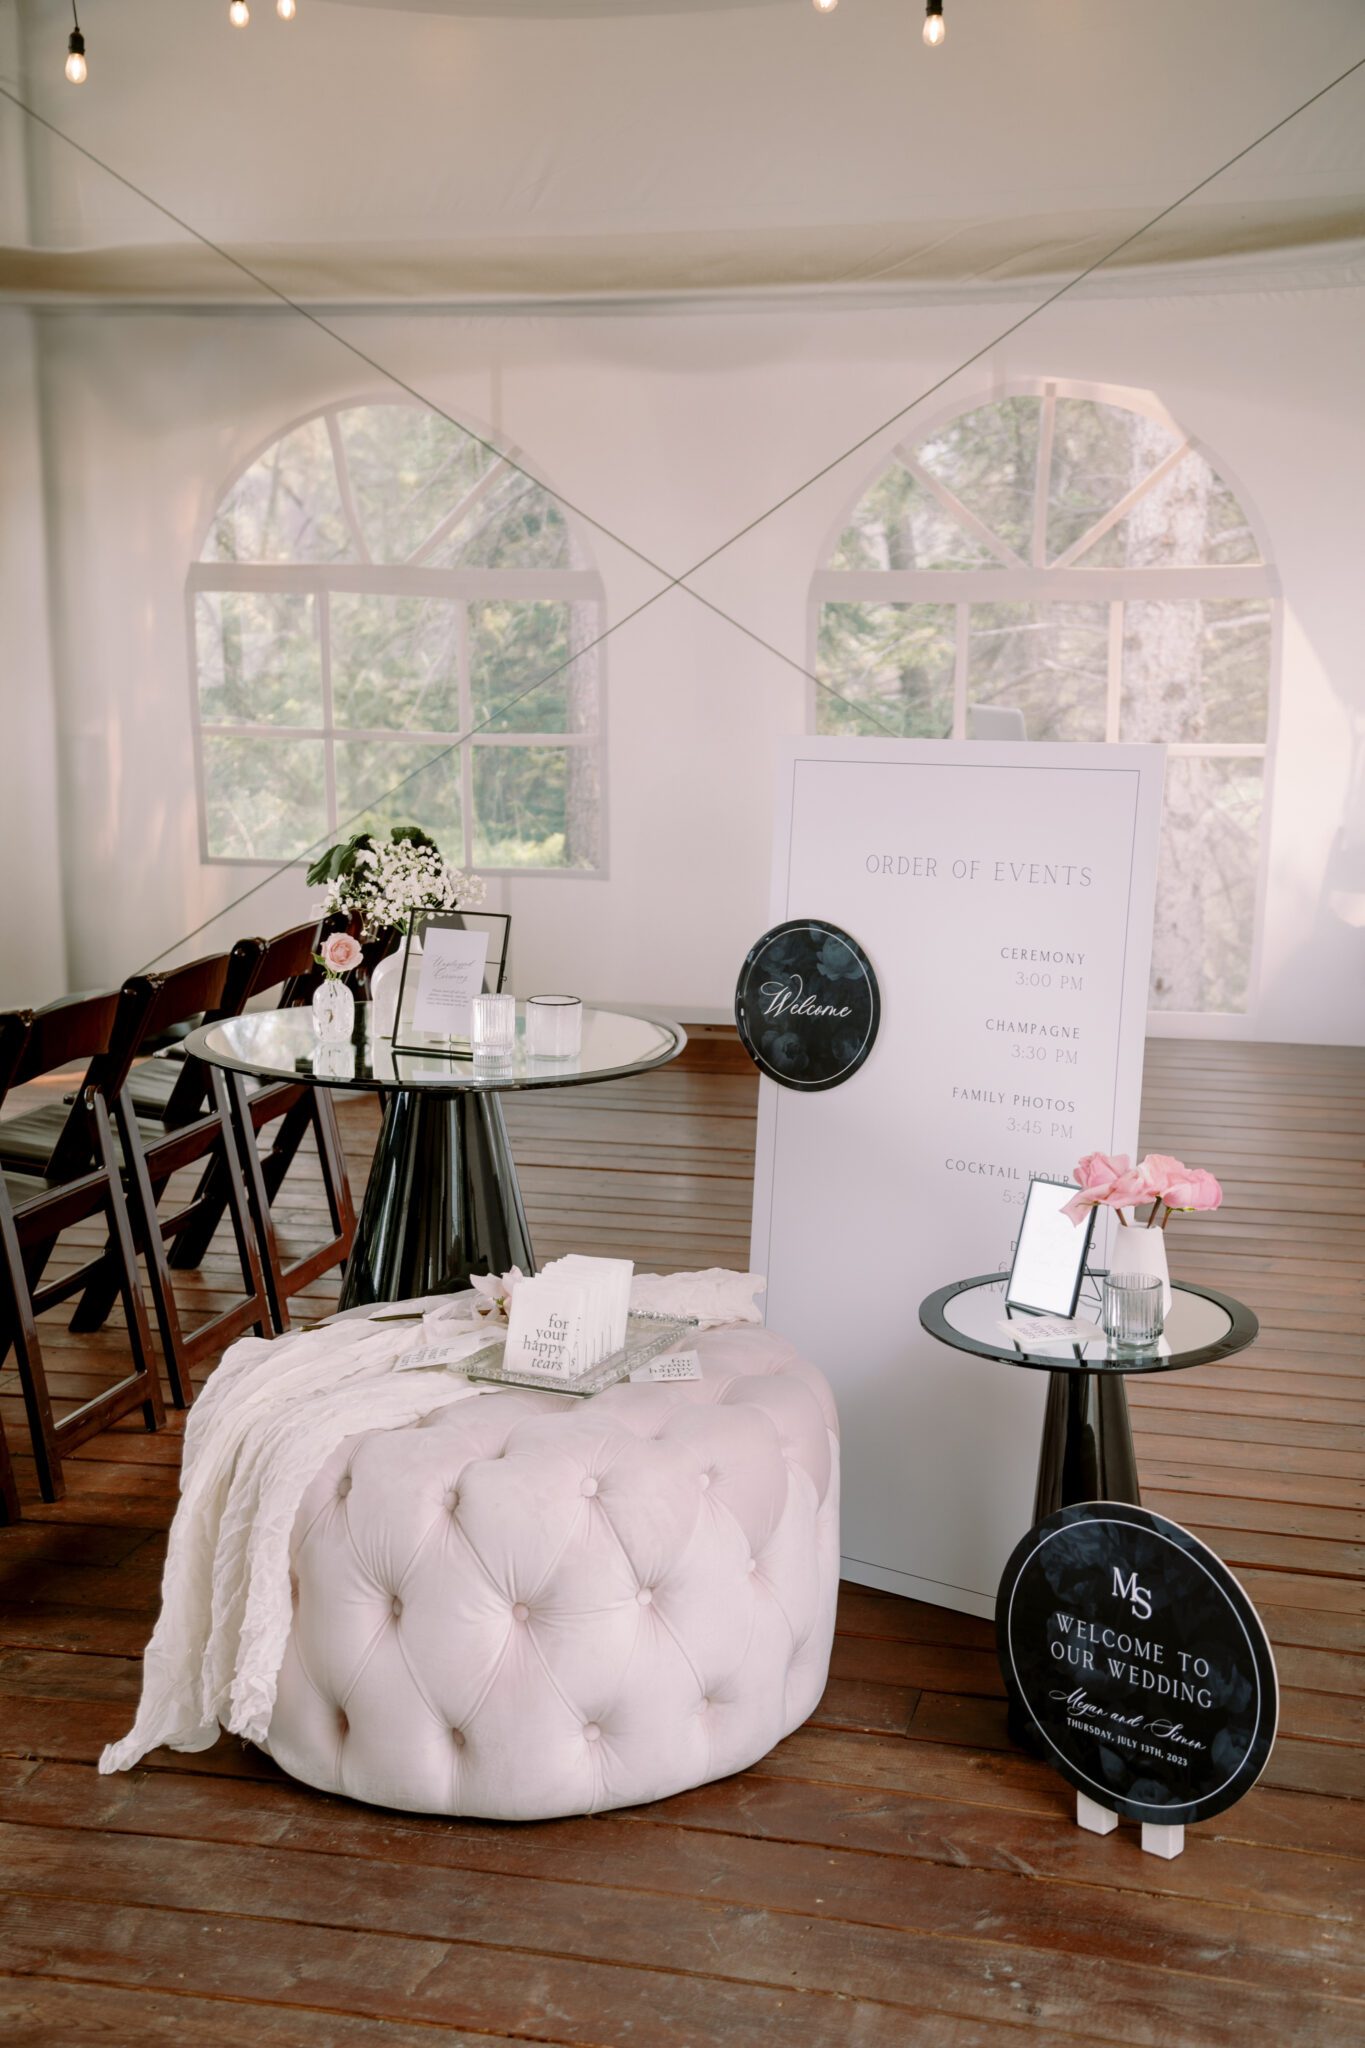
(531,1605)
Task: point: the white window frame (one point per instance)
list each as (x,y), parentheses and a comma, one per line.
(364,578)
(1068,581)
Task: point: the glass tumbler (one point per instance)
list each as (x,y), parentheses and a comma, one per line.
(554,1027)
(493,1027)
(1132,1311)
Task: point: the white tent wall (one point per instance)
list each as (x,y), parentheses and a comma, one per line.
(674,429)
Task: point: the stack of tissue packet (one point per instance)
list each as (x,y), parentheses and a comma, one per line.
(569,1318)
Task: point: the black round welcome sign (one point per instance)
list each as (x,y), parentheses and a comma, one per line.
(807,1004)
(1139,1660)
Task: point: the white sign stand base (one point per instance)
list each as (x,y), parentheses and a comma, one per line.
(1156,1841)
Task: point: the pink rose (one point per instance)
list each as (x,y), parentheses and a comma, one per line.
(1098,1170)
(1197,1190)
(1158,1170)
(340,953)
(1104,1183)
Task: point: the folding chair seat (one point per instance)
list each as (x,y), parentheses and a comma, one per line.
(79,1179)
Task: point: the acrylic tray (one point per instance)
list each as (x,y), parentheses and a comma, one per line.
(646,1337)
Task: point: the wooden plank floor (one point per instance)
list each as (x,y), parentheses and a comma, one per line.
(896,1872)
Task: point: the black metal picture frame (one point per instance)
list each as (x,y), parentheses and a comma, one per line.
(1019,1283)
(420,922)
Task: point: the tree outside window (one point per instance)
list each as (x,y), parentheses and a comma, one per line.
(1083,564)
(373,585)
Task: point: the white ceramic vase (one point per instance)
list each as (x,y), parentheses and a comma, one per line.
(333,1011)
(385,982)
(1138,1250)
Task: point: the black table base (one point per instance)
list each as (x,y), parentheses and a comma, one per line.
(1087,1448)
(443,1200)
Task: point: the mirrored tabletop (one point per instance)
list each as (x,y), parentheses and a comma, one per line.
(281,1045)
(1202,1325)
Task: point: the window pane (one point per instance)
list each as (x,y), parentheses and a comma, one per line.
(1049,660)
(395,663)
(535,807)
(1189,518)
(511,646)
(1099,452)
(515,524)
(988,459)
(408,468)
(897,659)
(899,525)
(383,782)
(258,658)
(263,798)
(1196,669)
(1206,884)
(285,508)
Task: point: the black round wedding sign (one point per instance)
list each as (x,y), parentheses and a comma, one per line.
(1139,1660)
(807,1004)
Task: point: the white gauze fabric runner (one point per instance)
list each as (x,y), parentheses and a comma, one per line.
(268,1420)
(270,1417)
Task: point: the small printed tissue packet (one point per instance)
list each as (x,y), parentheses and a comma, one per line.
(677,1365)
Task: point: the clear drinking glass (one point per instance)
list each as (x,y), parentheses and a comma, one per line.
(554,1027)
(493,1027)
(1133,1315)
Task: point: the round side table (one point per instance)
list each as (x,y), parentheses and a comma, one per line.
(1087,1445)
(443,1200)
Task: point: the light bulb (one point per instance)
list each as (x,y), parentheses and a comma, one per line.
(825,6)
(239,14)
(934,27)
(286,9)
(77,70)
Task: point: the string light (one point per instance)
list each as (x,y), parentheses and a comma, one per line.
(825,6)
(287,9)
(77,70)
(935,29)
(239,14)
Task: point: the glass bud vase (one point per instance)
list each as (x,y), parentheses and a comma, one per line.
(333,1010)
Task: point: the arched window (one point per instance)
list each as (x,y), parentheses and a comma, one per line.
(374,583)
(1057,566)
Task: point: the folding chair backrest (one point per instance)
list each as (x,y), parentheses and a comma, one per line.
(288,962)
(14,1029)
(76,1031)
(153,1004)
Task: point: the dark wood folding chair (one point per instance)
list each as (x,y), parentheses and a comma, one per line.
(193,1126)
(283,968)
(289,1110)
(68,1172)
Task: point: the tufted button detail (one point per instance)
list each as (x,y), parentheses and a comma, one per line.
(343,1485)
(703,1703)
(704,1481)
(521,1612)
(591,1731)
(589,1487)
(645,1597)
(294,1589)
(343,1725)
(752,1565)
(457,1738)
(452,1500)
(397,1607)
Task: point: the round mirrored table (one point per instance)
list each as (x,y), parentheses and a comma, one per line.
(443,1200)
(1087,1445)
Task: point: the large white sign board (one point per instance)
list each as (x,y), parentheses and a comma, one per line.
(1004,893)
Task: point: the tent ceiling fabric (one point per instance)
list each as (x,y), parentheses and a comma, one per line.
(572,148)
